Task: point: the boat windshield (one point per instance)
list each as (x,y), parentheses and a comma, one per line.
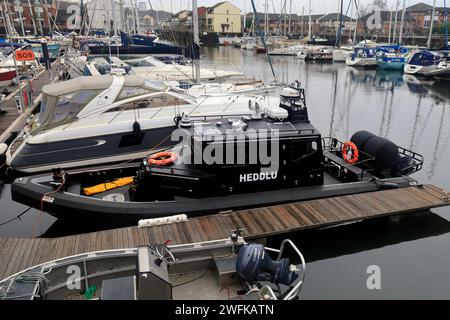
(58,110)
(146,62)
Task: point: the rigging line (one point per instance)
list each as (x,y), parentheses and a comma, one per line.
(16,218)
(48,15)
(264,43)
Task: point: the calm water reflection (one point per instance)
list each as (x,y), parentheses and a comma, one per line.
(414,256)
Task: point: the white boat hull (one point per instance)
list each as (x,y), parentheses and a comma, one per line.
(362,62)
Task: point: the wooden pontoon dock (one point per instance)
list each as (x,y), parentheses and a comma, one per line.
(19,254)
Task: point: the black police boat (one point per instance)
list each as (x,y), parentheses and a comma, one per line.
(275,156)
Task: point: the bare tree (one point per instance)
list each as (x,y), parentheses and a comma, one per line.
(381,4)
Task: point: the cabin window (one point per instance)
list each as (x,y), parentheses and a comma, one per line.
(157,101)
(303,149)
(129,92)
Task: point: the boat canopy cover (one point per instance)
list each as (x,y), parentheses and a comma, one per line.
(62,102)
(364,53)
(99,83)
(424,58)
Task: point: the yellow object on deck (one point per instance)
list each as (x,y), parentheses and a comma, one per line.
(108,186)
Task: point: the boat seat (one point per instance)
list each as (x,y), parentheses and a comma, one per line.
(226,269)
(360,173)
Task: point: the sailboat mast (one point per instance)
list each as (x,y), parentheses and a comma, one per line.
(19,9)
(303,21)
(266,17)
(290,17)
(32,17)
(338,40)
(390,27)
(285,18)
(446,24)
(396,21)
(400,37)
(8,29)
(431,25)
(310,22)
(263,42)
(195,30)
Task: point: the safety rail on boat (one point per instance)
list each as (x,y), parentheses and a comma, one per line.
(335,146)
(416,164)
(294,289)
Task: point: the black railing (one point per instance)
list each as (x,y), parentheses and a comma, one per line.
(335,146)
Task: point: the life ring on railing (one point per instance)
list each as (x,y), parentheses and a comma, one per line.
(350,146)
(162,158)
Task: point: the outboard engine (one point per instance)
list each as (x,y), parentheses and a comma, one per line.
(254,264)
(293,100)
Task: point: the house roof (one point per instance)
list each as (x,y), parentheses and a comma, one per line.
(334,17)
(386,16)
(211,9)
(420,7)
(277,16)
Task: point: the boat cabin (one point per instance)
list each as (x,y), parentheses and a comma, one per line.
(425,58)
(275,148)
(65,102)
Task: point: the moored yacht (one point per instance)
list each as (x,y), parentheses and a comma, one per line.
(363,57)
(105,119)
(428,64)
(153,69)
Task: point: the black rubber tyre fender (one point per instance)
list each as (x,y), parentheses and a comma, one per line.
(360,139)
(384,151)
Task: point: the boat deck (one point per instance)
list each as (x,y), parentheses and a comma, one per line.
(19,254)
(12,121)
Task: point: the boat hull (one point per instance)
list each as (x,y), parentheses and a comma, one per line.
(363,63)
(71,206)
(33,158)
(391,65)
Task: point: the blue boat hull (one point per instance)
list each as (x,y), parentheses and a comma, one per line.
(391,65)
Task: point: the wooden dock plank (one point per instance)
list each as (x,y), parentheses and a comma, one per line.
(18,254)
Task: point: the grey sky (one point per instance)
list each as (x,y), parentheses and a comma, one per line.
(318,6)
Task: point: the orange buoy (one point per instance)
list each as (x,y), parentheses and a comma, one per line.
(354,157)
(162,158)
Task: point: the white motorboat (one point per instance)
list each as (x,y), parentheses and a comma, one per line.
(427,64)
(109,119)
(151,68)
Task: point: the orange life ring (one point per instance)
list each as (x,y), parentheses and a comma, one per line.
(162,158)
(355,152)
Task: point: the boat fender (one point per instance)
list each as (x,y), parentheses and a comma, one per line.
(3,148)
(350,146)
(145,223)
(136,130)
